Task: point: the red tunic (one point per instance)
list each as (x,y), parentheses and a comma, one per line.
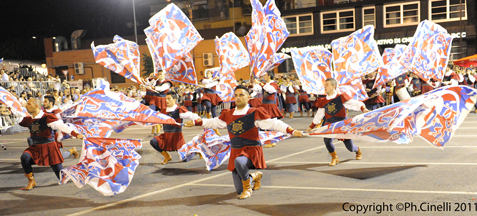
(255,102)
(334,108)
(269,103)
(290,97)
(372,100)
(244,136)
(303,97)
(159,99)
(60,144)
(212,96)
(400,82)
(44,151)
(172,138)
(187,99)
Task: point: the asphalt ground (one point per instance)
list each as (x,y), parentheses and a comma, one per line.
(391,179)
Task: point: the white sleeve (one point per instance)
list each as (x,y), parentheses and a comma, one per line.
(319,116)
(59,125)
(461,78)
(290,88)
(211,84)
(353,105)
(472,78)
(379,89)
(214,123)
(189,115)
(454,82)
(272,124)
(253,94)
(163,87)
(269,88)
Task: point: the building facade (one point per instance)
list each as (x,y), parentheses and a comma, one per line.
(395,22)
(310,23)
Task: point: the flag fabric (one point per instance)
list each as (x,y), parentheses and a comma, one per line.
(183,71)
(151,42)
(428,52)
(216,149)
(173,36)
(356,55)
(103,104)
(226,86)
(106,164)
(122,57)
(12,103)
(232,54)
(433,116)
(266,36)
(392,68)
(276,60)
(269,137)
(354,89)
(1,60)
(93,127)
(313,67)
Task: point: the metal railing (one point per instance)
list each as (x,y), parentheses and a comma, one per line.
(32,86)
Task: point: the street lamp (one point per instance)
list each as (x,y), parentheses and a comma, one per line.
(134,13)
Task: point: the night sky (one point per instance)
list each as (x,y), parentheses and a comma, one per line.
(22,19)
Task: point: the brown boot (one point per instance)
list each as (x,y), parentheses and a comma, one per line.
(301,113)
(291,115)
(217,132)
(334,159)
(247,190)
(200,156)
(256,178)
(308,115)
(31,181)
(74,152)
(167,157)
(267,146)
(359,156)
(207,115)
(153,129)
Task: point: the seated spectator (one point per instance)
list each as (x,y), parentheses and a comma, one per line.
(5,114)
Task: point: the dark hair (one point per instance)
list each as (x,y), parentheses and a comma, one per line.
(241,87)
(173,94)
(50,98)
(271,74)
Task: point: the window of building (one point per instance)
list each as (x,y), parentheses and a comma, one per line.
(299,24)
(401,14)
(116,78)
(369,16)
(447,10)
(455,50)
(337,21)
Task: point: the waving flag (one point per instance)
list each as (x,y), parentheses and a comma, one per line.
(276,60)
(232,54)
(313,67)
(266,36)
(151,44)
(356,55)
(107,165)
(393,68)
(93,127)
(354,89)
(173,36)
(216,149)
(103,104)
(122,57)
(11,102)
(184,71)
(428,52)
(434,116)
(227,83)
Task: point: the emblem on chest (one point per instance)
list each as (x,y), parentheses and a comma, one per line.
(35,128)
(237,127)
(330,108)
